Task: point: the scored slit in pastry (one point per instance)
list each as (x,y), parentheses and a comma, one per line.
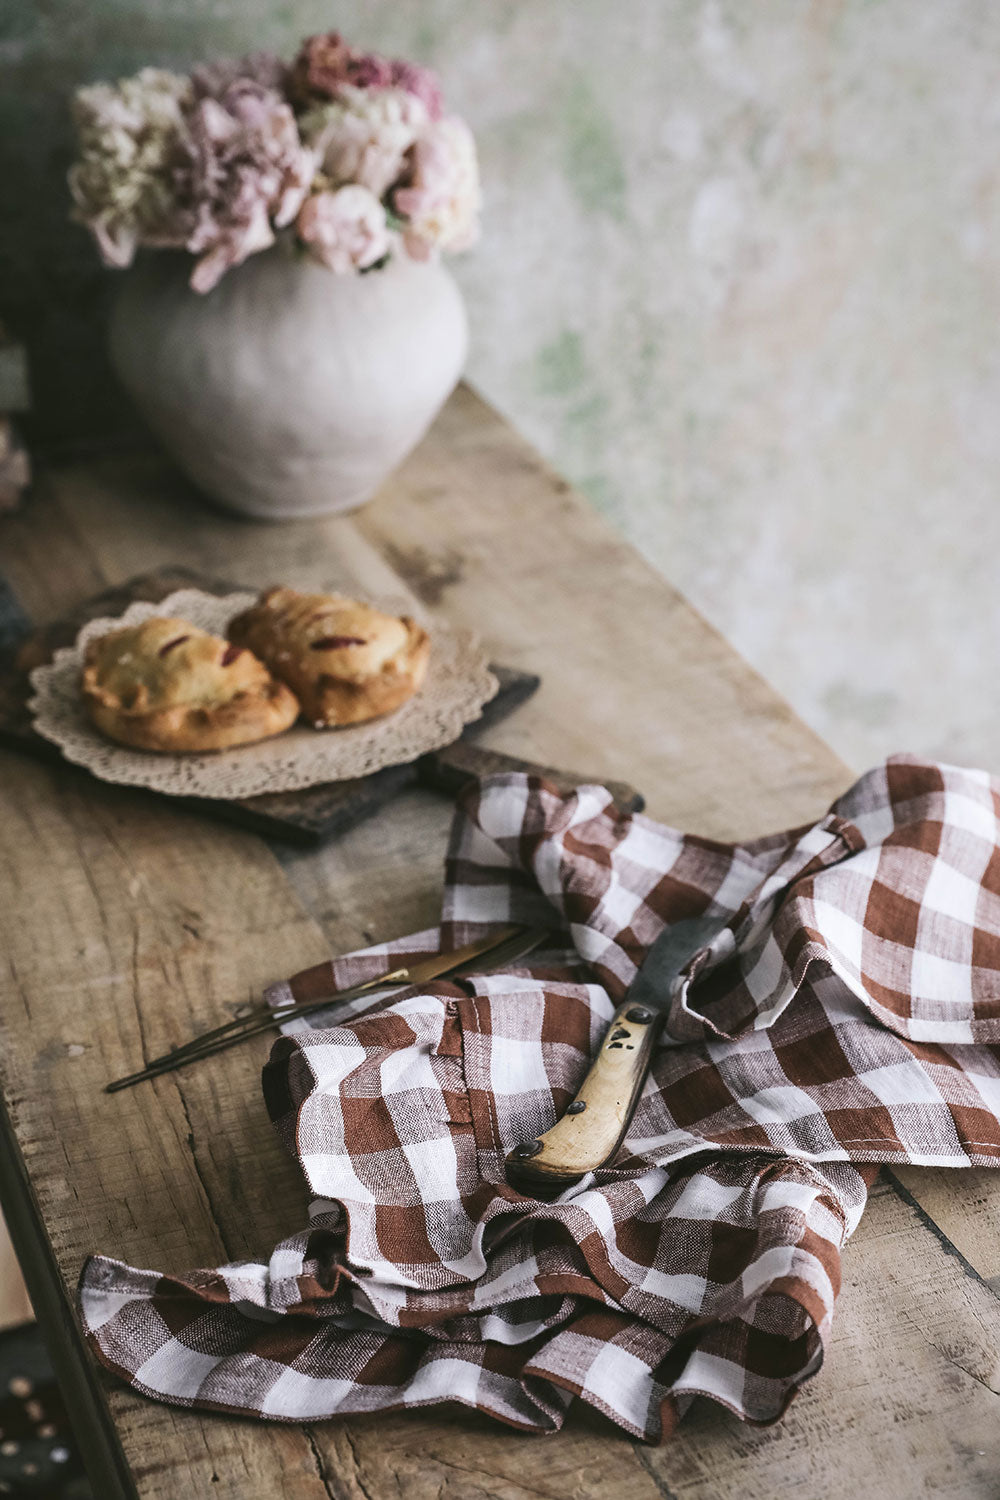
(166,685)
(345,661)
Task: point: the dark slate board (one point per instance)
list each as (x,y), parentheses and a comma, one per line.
(305,817)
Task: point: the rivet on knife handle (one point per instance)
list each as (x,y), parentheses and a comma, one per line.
(594,1125)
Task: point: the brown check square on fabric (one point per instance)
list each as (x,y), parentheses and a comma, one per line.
(846,1014)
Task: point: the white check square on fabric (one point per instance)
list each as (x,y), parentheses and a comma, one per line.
(954,893)
(945,982)
(897,1084)
(842,1024)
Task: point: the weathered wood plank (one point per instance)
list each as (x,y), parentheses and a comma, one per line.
(220,1123)
(634,682)
(130,926)
(121,923)
(965,1208)
(123,929)
(422,1457)
(906,1404)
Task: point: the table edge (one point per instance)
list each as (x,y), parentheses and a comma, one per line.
(90,1417)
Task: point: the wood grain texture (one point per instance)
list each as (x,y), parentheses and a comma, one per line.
(634,682)
(963,1208)
(127,926)
(905,1406)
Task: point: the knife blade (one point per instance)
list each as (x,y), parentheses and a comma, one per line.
(594,1124)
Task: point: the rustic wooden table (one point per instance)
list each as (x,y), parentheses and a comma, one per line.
(127,924)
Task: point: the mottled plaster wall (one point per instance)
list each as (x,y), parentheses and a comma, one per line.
(740,281)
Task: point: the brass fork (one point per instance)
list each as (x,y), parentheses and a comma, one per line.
(503,947)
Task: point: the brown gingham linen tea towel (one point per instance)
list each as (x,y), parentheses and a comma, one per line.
(847,1014)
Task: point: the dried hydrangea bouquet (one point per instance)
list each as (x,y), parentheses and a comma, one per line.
(302,352)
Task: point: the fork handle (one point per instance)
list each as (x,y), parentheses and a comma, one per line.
(225,1037)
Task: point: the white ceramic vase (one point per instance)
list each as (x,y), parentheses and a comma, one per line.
(288,390)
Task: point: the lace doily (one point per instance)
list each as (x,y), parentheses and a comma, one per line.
(458,683)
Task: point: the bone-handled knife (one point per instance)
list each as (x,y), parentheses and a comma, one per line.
(594,1125)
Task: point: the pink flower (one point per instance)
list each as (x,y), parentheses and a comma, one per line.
(244,173)
(440,199)
(345,230)
(326,64)
(420,82)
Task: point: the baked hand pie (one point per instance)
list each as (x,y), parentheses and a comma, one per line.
(166,685)
(345,661)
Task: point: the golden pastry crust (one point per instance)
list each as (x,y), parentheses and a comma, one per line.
(345,661)
(166,685)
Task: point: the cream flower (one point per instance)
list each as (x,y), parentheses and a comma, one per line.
(441,200)
(363,135)
(345,230)
(122,185)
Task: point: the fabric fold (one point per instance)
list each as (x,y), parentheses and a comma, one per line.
(843,1016)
